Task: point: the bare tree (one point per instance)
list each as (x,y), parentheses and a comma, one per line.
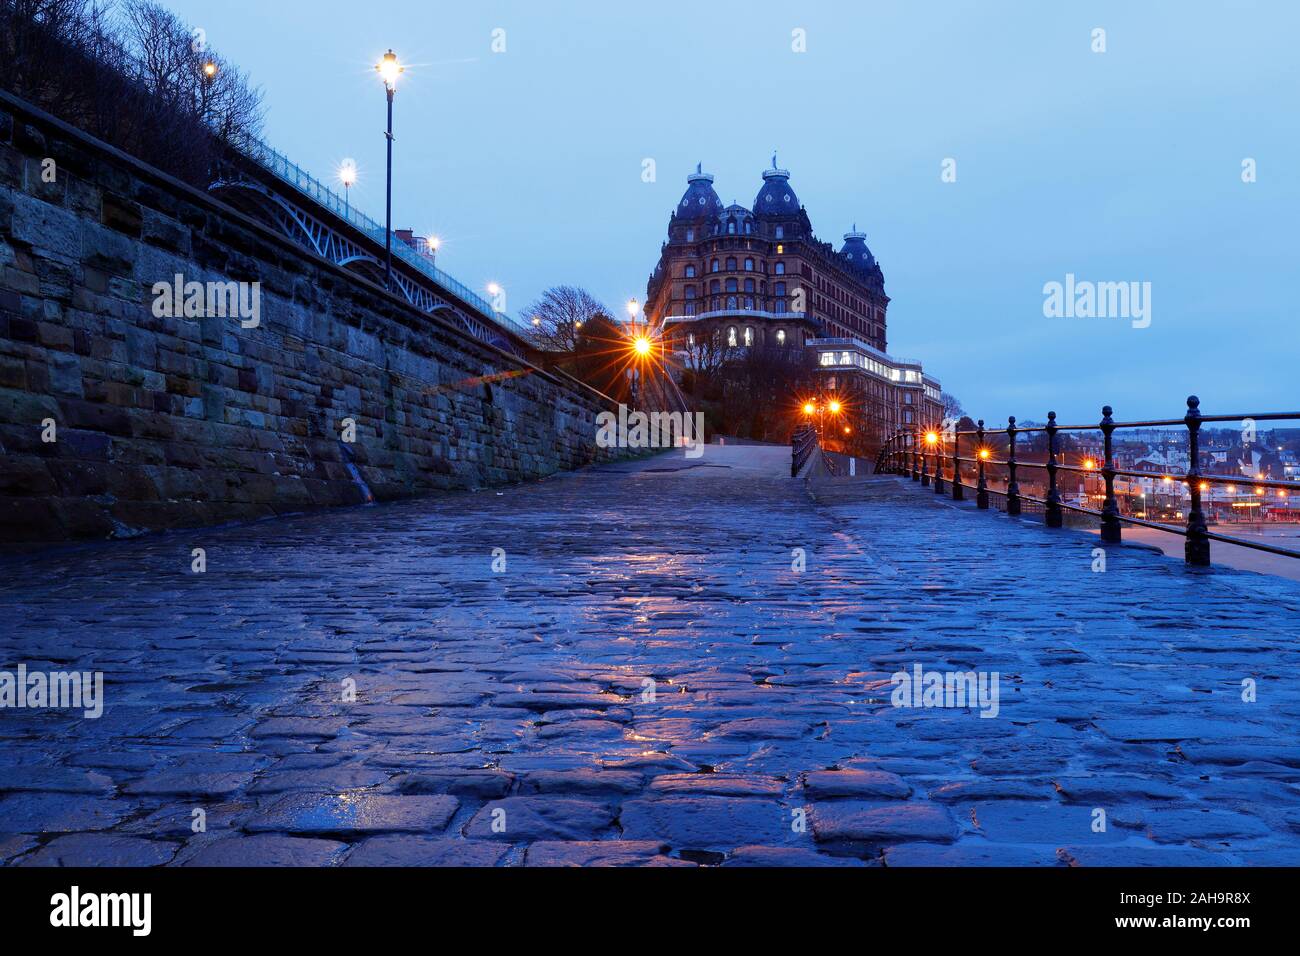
(558,317)
(137,80)
(952,409)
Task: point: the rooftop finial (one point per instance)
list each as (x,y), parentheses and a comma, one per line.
(699,167)
(774,166)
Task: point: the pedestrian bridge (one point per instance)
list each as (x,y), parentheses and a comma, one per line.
(670,660)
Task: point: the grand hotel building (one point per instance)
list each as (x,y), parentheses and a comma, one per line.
(760,278)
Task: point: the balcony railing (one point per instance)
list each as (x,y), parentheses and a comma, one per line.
(919,454)
(311,187)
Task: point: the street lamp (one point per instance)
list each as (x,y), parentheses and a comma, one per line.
(209,74)
(348,177)
(389,70)
(434,243)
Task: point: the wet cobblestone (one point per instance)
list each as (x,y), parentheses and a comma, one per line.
(648,682)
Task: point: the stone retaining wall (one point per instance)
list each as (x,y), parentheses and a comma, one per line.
(160,422)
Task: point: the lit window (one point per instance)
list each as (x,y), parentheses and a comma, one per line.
(780,336)
(690,339)
(731,336)
(828,358)
(780,250)
(749,336)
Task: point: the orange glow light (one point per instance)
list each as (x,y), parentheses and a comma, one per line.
(809,408)
(931,438)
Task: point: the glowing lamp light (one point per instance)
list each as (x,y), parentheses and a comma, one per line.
(642,345)
(1205,486)
(931,438)
(848,430)
(389,69)
(809,408)
(493,289)
(209,69)
(536,321)
(434,243)
(1089,464)
(348,173)
(632,307)
(984,454)
(834,407)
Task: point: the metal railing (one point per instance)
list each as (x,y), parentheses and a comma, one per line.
(290,172)
(911,452)
(802,444)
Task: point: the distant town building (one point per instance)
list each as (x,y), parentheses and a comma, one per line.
(740,279)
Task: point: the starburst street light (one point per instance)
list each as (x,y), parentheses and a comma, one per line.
(931,438)
(809,408)
(833,407)
(389,69)
(348,177)
(641,345)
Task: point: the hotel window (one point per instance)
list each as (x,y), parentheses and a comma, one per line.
(690,235)
(749,227)
(749,285)
(780,268)
(731,302)
(690,272)
(731,285)
(749,303)
(780,336)
(731,265)
(731,227)
(780,288)
(780,306)
(749,336)
(749,265)
(715,286)
(690,292)
(731,336)
(907,416)
(690,308)
(780,232)
(690,339)
(907,398)
(713,266)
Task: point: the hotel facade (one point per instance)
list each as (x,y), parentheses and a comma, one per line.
(731,279)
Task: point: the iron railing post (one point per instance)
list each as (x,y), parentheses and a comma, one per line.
(958,493)
(1053,517)
(1013,487)
(938,464)
(925,477)
(1197,550)
(982,486)
(1110,525)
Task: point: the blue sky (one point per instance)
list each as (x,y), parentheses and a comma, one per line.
(1115,166)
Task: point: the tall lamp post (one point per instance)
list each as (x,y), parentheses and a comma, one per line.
(389,70)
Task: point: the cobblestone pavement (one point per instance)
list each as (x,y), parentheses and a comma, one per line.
(507,718)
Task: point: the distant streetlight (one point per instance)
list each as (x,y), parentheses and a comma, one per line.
(210,70)
(434,242)
(348,177)
(833,407)
(931,438)
(641,344)
(809,408)
(389,70)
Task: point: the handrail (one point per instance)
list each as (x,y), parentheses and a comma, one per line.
(906,453)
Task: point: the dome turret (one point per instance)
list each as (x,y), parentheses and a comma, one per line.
(699,201)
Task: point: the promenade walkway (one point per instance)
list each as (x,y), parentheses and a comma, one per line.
(650,679)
